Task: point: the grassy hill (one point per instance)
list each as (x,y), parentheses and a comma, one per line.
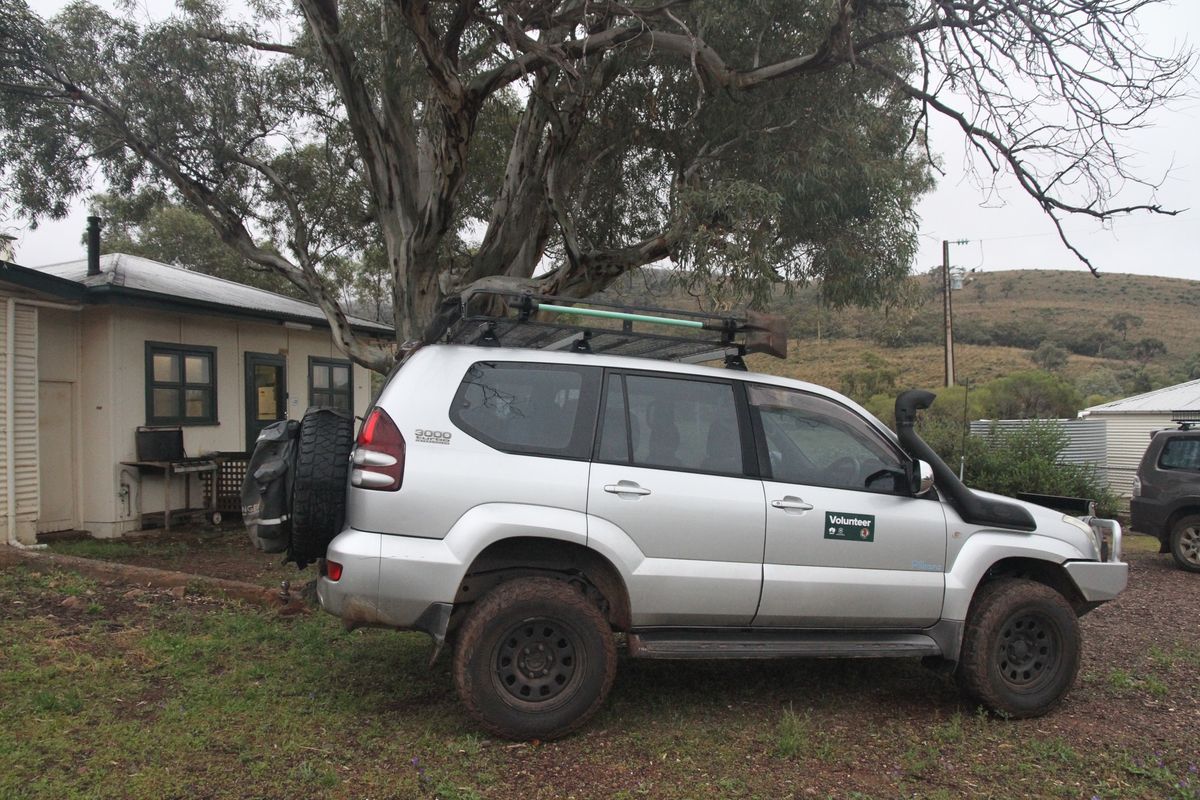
(996,309)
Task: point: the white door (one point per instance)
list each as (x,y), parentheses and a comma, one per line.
(56,456)
(847,546)
(669,473)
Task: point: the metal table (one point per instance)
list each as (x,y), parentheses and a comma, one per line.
(185,467)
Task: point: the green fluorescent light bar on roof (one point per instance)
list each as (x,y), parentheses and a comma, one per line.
(622,315)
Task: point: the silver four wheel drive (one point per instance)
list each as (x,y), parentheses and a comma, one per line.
(528,505)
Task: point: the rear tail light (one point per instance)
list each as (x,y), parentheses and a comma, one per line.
(1137,486)
(379,454)
(333,570)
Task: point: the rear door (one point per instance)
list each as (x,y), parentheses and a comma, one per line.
(670,472)
(846,546)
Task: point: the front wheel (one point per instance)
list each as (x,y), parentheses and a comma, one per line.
(1021,648)
(534,659)
(1185,543)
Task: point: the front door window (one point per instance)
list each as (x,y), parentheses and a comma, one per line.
(266,393)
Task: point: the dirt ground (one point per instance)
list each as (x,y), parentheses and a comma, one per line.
(862,729)
(224,552)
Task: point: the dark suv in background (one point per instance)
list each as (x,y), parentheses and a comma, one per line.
(1166,492)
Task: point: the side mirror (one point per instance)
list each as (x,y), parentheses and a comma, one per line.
(922,478)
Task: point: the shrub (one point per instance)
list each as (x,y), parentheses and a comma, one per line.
(1032,395)
(1028,460)
(1050,356)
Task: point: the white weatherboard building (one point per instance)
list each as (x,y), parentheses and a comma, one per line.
(89,356)
(1129,423)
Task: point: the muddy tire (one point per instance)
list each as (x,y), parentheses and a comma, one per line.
(319,491)
(1185,543)
(1021,648)
(535,659)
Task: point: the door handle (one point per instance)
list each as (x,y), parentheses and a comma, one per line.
(792,503)
(625,487)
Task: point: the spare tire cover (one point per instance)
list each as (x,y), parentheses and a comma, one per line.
(267,487)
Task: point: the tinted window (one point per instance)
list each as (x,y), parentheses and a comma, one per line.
(614,436)
(672,423)
(811,440)
(1180,454)
(544,409)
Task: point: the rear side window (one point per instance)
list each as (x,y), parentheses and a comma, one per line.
(1180,454)
(671,423)
(538,409)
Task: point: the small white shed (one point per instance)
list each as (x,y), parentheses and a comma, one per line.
(91,352)
(1130,422)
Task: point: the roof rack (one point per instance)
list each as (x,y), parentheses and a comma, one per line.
(496,318)
(1186,419)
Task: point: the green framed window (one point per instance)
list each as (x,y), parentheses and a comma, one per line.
(181,384)
(330,384)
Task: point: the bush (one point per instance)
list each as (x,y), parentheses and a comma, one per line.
(1027,460)
(1032,395)
(1050,356)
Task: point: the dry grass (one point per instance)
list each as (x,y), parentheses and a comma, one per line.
(826,362)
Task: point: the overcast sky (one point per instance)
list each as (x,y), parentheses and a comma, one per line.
(1005,229)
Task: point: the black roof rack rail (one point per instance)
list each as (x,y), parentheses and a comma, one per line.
(1186,419)
(498,318)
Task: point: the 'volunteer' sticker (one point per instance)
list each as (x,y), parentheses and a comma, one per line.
(849,527)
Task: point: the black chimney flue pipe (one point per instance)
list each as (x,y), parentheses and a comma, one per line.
(93,245)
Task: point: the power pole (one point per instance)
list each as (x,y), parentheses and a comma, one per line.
(947,319)
(947,310)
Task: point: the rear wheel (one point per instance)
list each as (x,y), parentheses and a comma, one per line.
(319,490)
(1185,543)
(1021,648)
(534,659)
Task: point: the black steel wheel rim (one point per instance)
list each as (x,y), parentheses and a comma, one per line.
(538,660)
(1028,650)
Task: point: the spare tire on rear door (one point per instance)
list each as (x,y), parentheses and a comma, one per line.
(319,489)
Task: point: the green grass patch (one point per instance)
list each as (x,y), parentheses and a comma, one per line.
(183,698)
(118,549)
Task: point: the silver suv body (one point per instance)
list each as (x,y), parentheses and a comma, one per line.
(703,512)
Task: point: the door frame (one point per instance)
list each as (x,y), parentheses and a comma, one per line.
(251,360)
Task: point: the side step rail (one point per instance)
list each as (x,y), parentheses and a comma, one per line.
(717,644)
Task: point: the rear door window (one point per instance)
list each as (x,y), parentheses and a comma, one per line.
(671,423)
(538,409)
(1180,454)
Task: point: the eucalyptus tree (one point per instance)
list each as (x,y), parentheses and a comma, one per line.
(558,144)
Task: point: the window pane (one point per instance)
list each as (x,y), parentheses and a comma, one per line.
(814,441)
(166,367)
(1181,454)
(525,406)
(320,376)
(165,403)
(266,403)
(341,377)
(684,424)
(196,369)
(614,445)
(198,403)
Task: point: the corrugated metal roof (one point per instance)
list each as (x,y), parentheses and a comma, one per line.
(179,284)
(1180,397)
